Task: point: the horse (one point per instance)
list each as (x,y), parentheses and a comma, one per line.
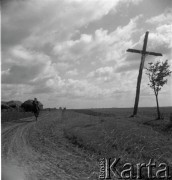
(36,108)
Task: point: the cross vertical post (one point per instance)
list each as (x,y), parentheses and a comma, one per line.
(140,75)
(143,53)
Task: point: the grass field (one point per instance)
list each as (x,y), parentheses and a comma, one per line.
(112,133)
(133,140)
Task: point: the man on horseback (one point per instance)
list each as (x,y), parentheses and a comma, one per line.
(36,108)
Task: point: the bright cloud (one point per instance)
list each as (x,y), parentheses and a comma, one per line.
(160,38)
(101,46)
(27,66)
(165,18)
(102,74)
(72,72)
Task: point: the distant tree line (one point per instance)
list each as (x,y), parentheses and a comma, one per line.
(26,106)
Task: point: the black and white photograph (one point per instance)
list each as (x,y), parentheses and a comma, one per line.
(86,89)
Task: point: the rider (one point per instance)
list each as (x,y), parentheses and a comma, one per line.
(36,108)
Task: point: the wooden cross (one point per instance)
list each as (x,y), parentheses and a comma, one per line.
(143,52)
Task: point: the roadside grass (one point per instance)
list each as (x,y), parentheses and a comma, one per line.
(48,139)
(120,137)
(11,116)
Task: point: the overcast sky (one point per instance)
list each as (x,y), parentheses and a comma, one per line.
(73,52)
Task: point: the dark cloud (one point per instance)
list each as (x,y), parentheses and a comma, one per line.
(128,67)
(5,2)
(20,74)
(12,36)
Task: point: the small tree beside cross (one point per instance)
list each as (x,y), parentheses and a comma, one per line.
(157,73)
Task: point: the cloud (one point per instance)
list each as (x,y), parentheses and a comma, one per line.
(102,74)
(44,48)
(62,66)
(46,22)
(164,18)
(159,40)
(15,91)
(128,66)
(30,26)
(48,85)
(27,66)
(73,88)
(87,90)
(73,50)
(44,73)
(101,46)
(160,37)
(72,72)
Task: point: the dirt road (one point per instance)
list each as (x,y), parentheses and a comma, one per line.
(39,151)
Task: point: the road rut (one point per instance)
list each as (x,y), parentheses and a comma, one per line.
(39,151)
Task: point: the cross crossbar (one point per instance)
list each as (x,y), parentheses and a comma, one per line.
(141,52)
(134,51)
(153,53)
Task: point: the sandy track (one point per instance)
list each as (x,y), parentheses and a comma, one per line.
(38,151)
